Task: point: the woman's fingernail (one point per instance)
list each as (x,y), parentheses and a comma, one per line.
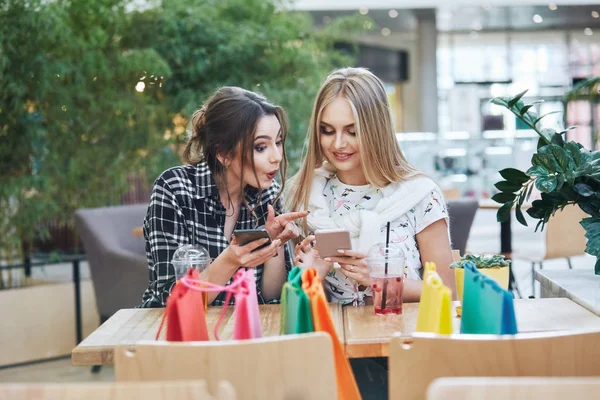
(308,211)
(341,251)
(327,259)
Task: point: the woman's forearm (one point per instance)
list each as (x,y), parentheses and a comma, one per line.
(220,272)
(412,291)
(274,276)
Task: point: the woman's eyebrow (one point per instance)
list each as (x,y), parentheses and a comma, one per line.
(331,126)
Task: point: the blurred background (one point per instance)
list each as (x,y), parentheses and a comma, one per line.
(95,97)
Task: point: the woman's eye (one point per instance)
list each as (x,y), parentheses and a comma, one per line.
(351,133)
(326,132)
(279,143)
(260,149)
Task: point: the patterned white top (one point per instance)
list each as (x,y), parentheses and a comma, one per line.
(344,198)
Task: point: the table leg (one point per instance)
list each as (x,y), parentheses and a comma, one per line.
(27,265)
(77,284)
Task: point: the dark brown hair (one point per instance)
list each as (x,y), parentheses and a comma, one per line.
(227,122)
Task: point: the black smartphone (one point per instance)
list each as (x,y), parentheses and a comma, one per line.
(245,236)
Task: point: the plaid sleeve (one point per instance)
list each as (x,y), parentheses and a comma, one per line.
(164,231)
(287,247)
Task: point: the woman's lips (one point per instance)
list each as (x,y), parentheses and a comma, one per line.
(271,175)
(342,156)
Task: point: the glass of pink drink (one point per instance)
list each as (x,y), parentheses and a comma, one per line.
(386,269)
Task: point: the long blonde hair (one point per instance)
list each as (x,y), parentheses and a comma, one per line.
(382,159)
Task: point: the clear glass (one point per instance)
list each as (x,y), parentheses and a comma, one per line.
(189,256)
(386,269)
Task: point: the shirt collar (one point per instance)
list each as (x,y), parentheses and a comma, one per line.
(205,181)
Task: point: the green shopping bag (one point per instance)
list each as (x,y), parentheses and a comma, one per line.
(487,308)
(295,305)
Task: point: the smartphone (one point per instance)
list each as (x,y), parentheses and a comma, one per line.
(245,236)
(329,241)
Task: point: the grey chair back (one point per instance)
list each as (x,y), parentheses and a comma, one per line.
(117,259)
(462,213)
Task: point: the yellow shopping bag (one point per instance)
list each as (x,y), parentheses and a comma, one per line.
(435,308)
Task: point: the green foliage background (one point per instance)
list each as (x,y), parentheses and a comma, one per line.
(563,171)
(72,125)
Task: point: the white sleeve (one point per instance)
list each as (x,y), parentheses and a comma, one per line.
(429,210)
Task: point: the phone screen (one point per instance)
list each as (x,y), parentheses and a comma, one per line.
(245,236)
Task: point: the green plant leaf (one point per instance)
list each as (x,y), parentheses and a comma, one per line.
(546,184)
(503,197)
(482,261)
(505,186)
(584,169)
(538,170)
(515,175)
(515,99)
(503,213)
(520,217)
(500,101)
(567,130)
(592,233)
(561,156)
(557,139)
(573,150)
(560,181)
(529,192)
(583,189)
(544,116)
(525,109)
(535,212)
(545,160)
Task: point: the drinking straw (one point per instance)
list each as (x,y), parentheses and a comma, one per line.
(386,254)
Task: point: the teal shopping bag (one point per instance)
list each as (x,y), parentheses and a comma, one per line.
(295,306)
(486,307)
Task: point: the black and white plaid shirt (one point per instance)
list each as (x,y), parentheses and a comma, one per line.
(185,208)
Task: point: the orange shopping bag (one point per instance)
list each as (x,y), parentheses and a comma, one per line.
(184,313)
(312,285)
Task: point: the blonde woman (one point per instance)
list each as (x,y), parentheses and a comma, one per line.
(354,176)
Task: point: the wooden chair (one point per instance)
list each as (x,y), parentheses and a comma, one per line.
(565,238)
(183,390)
(416,362)
(524,388)
(277,368)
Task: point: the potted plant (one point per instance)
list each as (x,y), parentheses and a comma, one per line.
(563,171)
(495,266)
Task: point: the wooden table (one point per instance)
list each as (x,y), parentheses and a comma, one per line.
(128,326)
(367,335)
(363,333)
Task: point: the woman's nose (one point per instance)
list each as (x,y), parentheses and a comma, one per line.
(340,140)
(276,155)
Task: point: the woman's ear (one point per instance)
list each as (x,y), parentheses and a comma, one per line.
(224,160)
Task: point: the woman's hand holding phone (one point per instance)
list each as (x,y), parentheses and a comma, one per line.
(248,255)
(307,256)
(353,264)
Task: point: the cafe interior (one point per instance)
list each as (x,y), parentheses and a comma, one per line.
(497,101)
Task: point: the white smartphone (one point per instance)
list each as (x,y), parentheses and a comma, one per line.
(329,241)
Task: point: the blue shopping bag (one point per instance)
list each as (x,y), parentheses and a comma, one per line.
(486,307)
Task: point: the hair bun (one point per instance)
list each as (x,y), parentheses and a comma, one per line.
(198,120)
